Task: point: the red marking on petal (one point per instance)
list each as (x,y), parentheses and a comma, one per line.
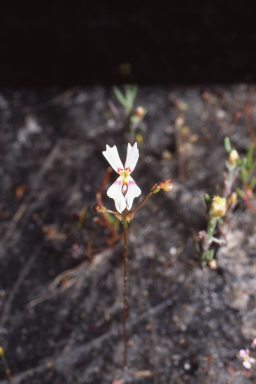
(119,170)
(128,169)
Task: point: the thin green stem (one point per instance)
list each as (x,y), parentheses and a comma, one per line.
(211,227)
(203,255)
(125,305)
(6,367)
(230,177)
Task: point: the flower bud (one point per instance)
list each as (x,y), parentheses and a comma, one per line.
(99,208)
(233,157)
(179,122)
(218,207)
(139,139)
(138,115)
(139,112)
(156,188)
(1,352)
(201,235)
(212,264)
(232,200)
(166,185)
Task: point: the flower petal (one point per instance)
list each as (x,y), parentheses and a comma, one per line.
(242,353)
(115,192)
(132,192)
(247,364)
(112,156)
(132,157)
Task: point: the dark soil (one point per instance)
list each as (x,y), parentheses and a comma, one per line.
(60,310)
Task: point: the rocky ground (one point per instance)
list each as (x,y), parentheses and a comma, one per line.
(61,272)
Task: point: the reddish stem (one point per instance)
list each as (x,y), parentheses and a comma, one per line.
(125,305)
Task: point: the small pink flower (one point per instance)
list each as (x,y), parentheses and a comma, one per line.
(247,360)
(244,353)
(124,189)
(254,341)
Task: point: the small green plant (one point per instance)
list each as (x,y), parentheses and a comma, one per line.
(237,169)
(124,190)
(241,169)
(216,208)
(127,99)
(133,116)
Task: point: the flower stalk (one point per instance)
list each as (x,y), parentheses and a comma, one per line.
(123,191)
(217,208)
(125,296)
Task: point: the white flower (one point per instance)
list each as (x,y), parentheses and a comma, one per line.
(124,189)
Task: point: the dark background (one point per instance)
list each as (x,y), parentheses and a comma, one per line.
(91,42)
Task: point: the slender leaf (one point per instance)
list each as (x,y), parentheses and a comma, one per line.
(120,97)
(227,145)
(239,192)
(130,91)
(253,182)
(253,165)
(207,200)
(249,157)
(243,175)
